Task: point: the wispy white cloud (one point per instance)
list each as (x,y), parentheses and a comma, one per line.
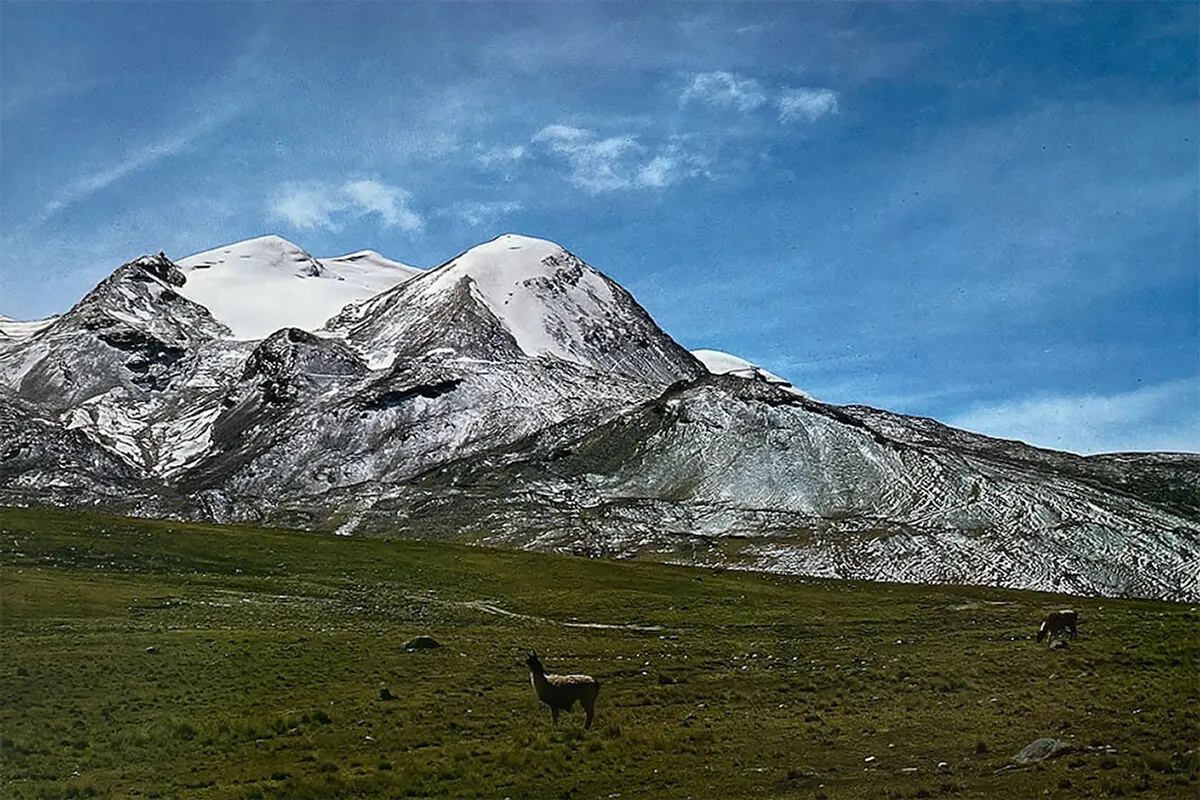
(597,164)
(141,158)
(210,107)
(724,90)
(306,205)
(751,29)
(500,155)
(1163,416)
(482,213)
(730,90)
(658,171)
(324,205)
(603,164)
(806,105)
(389,202)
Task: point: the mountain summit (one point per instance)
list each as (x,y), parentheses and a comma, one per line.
(515,395)
(260,285)
(517,297)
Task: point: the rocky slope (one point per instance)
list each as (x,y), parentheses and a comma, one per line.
(725,471)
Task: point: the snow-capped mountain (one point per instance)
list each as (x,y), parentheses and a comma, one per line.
(260,285)
(532,300)
(134,365)
(516,395)
(436,368)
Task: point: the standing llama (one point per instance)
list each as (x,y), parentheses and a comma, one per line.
(1057,623)
(561,691)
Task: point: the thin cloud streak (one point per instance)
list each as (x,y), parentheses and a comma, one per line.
(1164,416)
(214,106)
(499,155)
(142,158)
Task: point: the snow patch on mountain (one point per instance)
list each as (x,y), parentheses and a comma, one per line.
(361,263)
(117,427)
(15,330)
(721,363)
(184,440)
(262,285)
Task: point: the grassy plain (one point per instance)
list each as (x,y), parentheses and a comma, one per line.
(160,659)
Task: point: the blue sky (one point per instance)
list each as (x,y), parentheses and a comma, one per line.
(985,213)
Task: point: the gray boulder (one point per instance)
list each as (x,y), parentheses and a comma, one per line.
(1043,749)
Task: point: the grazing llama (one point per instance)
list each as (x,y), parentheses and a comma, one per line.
(1057,623)
(561,691)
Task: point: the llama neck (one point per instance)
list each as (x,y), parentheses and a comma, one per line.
(538,676)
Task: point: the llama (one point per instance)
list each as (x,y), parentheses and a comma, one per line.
(561,691)
(1058,623)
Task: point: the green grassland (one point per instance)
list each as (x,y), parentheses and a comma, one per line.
(162,659)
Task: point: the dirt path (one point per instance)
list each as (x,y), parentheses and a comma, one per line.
(488,608)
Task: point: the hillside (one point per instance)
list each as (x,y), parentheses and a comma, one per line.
(146,658)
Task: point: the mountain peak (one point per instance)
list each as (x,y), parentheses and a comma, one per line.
(270,239)
(270,250)
(509,256)
(518,295)
(549,301)
(160,267)
(267,240)
(518,392)
(529,246)
(261,285)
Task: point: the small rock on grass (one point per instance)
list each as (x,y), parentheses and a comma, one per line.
(422,643)
(1043,749)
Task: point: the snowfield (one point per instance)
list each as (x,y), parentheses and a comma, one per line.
(259,286)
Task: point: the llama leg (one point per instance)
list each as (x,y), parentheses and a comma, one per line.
(554,714)
(590,708)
